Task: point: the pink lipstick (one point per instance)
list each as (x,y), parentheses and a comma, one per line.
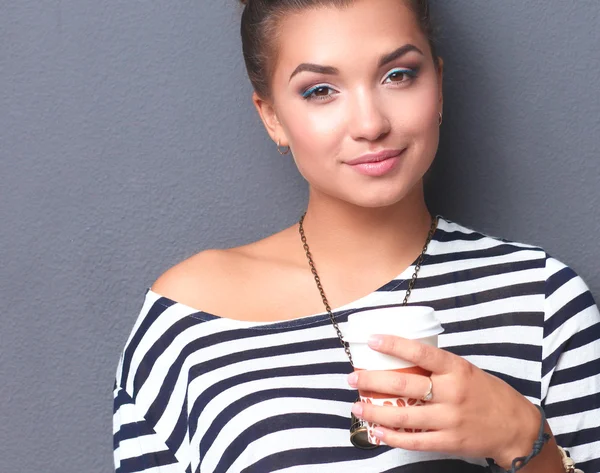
(376,164)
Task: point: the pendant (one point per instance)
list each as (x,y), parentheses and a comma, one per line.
(359,435)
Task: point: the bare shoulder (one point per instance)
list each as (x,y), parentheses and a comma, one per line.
(189,281)
(217,280)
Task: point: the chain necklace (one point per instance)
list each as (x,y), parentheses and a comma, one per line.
(358,429)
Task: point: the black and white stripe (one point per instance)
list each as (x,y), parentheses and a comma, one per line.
(196,393)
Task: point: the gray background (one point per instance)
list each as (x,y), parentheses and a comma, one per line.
(128,142)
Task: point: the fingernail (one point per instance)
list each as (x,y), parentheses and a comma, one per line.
(352,379)
(378,433)
(357,409)
(375,341)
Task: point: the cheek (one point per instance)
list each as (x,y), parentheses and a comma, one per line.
(316,132)
(416,114)
(416,124)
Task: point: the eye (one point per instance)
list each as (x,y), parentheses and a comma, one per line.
(400,75)
(319,92)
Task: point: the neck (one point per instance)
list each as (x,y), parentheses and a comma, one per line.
(385,238)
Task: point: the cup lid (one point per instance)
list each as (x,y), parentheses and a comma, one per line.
(411,322)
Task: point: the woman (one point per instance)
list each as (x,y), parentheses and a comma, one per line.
(225,371)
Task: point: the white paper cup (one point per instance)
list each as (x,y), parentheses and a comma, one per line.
(412,322)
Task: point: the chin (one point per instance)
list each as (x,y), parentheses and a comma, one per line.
(385,193)
(376,198)
(374,202)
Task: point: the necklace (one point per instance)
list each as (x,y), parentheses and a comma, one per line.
(358,429)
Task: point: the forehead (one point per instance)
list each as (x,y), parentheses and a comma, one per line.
(360,32)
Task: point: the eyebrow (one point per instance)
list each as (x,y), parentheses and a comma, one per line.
(330,70)
(401,51)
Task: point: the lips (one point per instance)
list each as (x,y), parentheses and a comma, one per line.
(376,164)
(375,157)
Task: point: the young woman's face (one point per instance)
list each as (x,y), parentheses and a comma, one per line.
(354,82)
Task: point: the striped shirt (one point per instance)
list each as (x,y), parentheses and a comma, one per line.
(197,393)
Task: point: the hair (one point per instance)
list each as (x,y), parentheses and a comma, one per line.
(259,31)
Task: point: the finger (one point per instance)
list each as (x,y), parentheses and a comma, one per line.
(412,386)
(426,356)
(416,441)
(423,417)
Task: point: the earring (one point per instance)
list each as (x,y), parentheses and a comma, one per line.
(282,152)
(441,118)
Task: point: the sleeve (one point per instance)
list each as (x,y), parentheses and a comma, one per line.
(137,447)
(571,365)
(141,442)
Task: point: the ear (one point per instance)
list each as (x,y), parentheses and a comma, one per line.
(440,77)
(268,115)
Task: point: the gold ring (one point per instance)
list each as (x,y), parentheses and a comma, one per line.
(429,395)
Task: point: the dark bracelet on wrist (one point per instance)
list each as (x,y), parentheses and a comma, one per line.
(542,439)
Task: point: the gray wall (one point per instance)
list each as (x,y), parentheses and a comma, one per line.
(128,142)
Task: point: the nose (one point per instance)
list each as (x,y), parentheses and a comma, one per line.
(368,118)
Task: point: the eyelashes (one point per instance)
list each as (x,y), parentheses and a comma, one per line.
(323,92)
(310,93)
(410,73)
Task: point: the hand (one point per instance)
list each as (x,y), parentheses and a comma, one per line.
(472,413)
